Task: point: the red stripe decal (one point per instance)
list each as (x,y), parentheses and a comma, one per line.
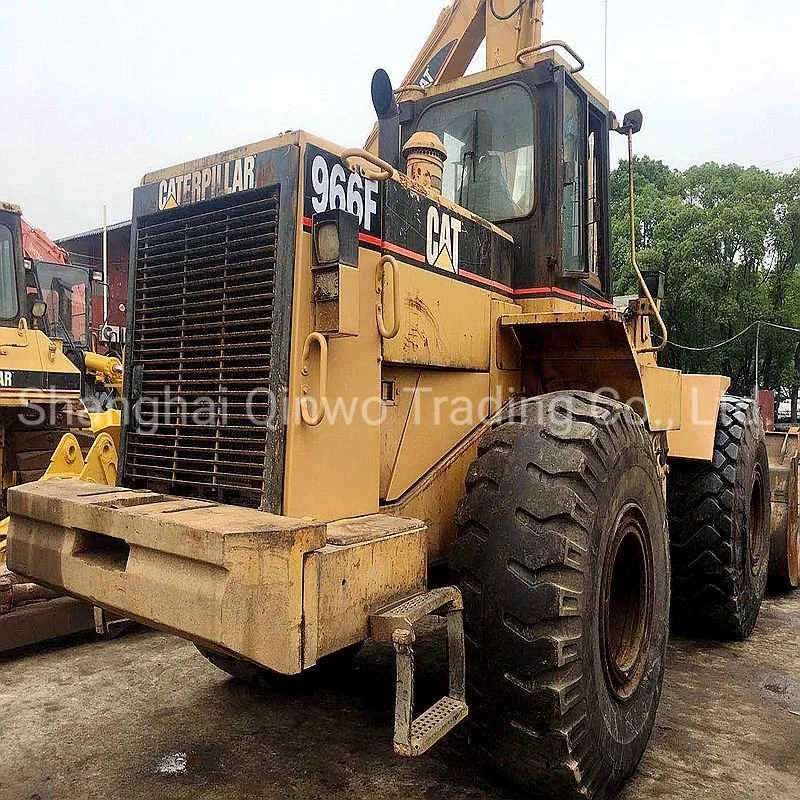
(401,251)
(488,281)
(368,239)
(537,291)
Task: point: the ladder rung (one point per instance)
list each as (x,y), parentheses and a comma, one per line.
(395,623)
(434,723)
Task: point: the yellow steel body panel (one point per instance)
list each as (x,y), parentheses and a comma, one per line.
(443,411)
(435,497)
(700,396)
(109,422)
(443,323)
(30,350)
(342,466)
(332,470)
(663,397)
(403,381)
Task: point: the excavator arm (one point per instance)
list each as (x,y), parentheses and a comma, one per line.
(507,26)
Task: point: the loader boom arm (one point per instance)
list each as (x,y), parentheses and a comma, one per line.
(507,26)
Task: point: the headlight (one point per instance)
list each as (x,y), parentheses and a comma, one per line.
(326,242)
(335,235)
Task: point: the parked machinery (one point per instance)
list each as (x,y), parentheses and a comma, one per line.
(45,429)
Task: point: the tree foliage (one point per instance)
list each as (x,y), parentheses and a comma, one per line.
(728,240)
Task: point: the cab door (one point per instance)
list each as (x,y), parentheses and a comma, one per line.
(11,266)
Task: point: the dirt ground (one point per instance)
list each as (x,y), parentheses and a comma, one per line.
(145,716)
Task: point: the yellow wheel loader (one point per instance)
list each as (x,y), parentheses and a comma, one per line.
(44,426)
(346,366)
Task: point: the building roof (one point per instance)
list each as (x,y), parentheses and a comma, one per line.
(117,226)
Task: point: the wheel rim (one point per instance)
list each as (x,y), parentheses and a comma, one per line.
(757,531)
(627,599)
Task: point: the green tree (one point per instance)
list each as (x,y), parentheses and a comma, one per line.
(728,240)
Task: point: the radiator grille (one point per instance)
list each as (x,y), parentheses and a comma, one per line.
(202,349)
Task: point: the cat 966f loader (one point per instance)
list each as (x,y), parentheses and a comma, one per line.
(347,365)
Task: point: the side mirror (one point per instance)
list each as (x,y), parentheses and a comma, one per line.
(633,122)
(388,114)
(383,95)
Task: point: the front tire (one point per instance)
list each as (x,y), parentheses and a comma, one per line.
(719,521)
(564,566)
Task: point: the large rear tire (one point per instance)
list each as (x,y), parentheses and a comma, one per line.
(564,565)
(719,521)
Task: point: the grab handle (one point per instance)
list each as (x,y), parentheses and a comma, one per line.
(314,416)
(388,264)
(528,51)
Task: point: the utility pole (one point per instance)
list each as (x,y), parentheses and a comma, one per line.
(105,264)
(605,54)
(758,342)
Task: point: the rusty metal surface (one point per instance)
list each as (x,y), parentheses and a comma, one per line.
(414,736)
(784,471)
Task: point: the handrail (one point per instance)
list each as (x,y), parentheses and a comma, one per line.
(410,87)
(642,282)
(384,172)
(528,51)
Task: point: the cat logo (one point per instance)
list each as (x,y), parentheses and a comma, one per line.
(443,235)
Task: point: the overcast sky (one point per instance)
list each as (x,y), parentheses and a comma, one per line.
(95,93)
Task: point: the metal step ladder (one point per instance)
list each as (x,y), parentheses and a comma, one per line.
(395,624)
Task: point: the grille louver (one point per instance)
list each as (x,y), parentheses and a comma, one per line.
(202,345)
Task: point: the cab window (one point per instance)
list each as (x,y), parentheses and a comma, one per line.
(66,290)
(9,304)
(490,154)
(575,203)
